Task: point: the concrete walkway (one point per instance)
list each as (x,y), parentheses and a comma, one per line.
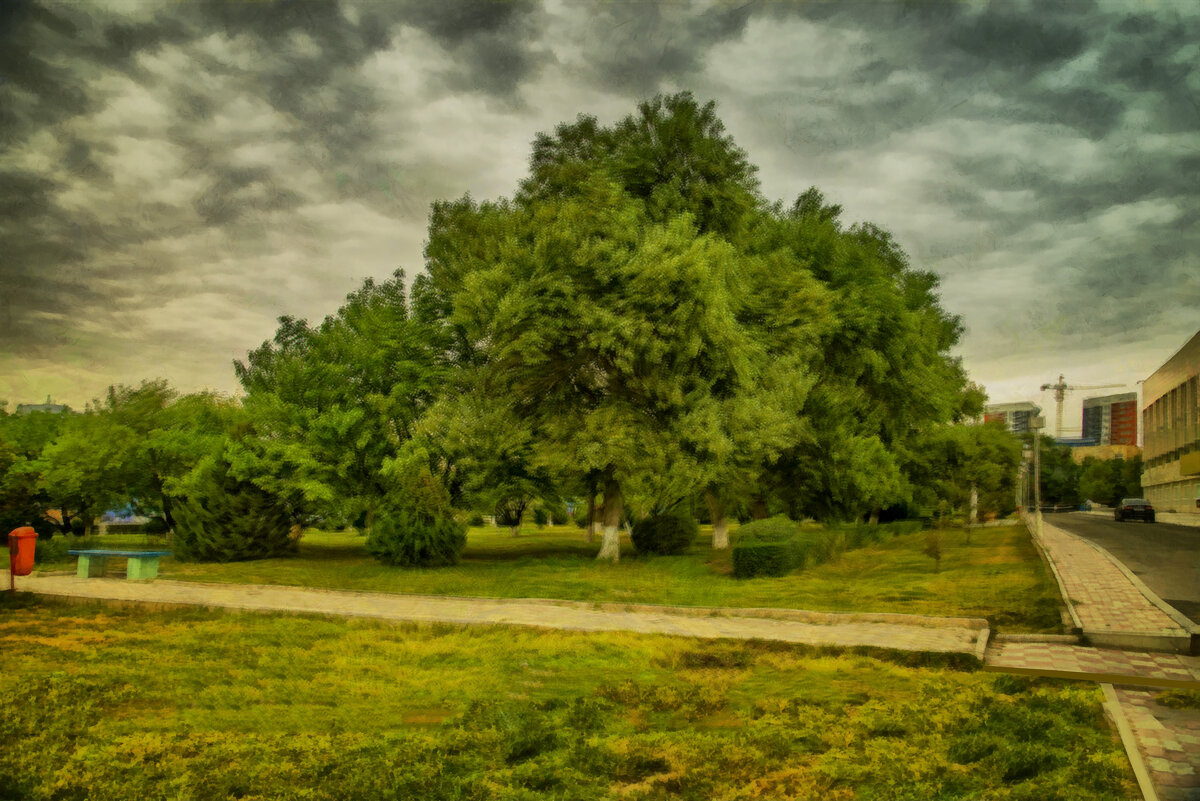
(901,632)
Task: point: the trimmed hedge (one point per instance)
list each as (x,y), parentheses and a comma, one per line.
(777,546)
(664,534)
(770,547)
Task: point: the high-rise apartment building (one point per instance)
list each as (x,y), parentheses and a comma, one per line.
(1171,422)
(1014,415)
(1111,419)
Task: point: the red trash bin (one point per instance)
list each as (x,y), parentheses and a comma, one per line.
(21,542)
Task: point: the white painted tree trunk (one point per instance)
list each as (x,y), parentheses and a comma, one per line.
(610,543)
(716,510)
(974,504)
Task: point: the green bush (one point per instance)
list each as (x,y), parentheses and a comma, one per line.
(227,520)
(664,534)
(540,517)
(774,529)
(410,537)
(771,547)
(155,526)
(51,550)
(475,519)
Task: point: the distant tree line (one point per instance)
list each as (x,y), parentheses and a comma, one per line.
(636,328)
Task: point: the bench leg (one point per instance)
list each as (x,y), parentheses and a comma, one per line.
(91,566)
(142,568)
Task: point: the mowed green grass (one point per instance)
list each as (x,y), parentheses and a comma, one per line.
(998,575)
(108,703)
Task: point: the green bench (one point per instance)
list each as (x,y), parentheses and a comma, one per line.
(141,564)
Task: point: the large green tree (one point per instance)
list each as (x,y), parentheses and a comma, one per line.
(328,405)
(610,332)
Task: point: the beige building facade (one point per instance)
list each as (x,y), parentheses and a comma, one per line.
(1171,423)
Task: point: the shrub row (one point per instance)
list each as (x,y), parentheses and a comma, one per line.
(664,534)
(777,546)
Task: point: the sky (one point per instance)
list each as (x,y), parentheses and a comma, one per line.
(176,176)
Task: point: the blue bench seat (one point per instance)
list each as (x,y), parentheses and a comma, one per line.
(142,565)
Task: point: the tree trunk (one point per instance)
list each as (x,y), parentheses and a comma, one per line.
(592,522)
(974,504)
(610,544)
(758,508)
(716,509)
(295,532)
(874,518)
(370,521)
(168,518)
(515,528)
(89,524)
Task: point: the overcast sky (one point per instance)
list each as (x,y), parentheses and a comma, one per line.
(175,176)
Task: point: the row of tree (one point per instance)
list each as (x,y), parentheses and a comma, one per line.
(1105,481)
(637,327)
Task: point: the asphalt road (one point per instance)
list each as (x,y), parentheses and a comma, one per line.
(1166,557)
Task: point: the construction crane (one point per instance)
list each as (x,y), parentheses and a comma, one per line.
(1060,391)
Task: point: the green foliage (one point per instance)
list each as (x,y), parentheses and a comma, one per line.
(328,406)
(664,534)
(1179,699)
(416,528)
(52,550)
(944,463)
(1060,474)
(225,519)
(770,547)
(410,537)
(1108,481)
(933,547)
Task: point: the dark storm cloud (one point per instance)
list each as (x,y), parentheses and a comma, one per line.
(176,176)
(491,39)
(637,46)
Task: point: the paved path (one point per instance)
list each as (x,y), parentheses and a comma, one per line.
(1094,664)
(1169,742)
(902,632)
(1107,602)
(1113,606)
(1165,557)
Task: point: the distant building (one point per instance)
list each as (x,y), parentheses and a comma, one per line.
(1014,415)
(49,407)
(1171,423)
(1104,452)
(1111,419)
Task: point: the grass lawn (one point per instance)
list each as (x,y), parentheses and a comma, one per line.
(998,576)
(104,703)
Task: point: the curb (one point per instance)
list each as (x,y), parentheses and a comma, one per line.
(1112,706)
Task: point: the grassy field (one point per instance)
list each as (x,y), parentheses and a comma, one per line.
(997,576)
(103,703)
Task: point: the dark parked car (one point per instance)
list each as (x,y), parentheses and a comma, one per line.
(1134,509)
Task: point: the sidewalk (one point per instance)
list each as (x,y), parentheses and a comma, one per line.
(1115,608)
(1111,607)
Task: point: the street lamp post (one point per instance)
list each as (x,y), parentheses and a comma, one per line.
(1037,423)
